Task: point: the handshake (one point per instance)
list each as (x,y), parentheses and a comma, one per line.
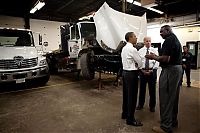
(151,56)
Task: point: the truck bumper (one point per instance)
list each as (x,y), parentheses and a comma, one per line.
(22,76)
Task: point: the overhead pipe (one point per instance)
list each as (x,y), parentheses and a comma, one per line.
(197,15)
(68,3)
(27,22)
(124,3)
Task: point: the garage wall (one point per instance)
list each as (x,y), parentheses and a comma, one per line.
(184,34)
(187,34)
(154,33)
(50,31)
(11,22)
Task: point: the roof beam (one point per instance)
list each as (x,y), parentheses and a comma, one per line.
(69,2)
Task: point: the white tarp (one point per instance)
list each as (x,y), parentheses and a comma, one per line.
(111,26)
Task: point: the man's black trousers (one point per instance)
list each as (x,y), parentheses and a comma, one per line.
(151,81)
(187,73)
(130,90)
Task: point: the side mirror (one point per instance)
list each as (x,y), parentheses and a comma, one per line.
(45,44)
(40,39)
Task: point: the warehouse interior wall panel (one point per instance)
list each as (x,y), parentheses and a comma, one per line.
(11,22)
(50,31)
(187,34)
(184,34)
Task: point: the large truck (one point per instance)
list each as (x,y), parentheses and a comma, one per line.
(20,61)
(96,46)
(80,52)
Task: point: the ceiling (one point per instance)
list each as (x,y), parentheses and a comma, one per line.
(71,10)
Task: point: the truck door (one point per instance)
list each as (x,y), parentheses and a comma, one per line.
(75,42)
(65,36)
(37,44)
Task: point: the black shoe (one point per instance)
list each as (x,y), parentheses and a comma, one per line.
(123,116)
(188,86)
(152,109)
(139,107)
(134,123)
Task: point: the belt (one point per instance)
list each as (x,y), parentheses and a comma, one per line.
(170,66)
(130,70)
(147,68)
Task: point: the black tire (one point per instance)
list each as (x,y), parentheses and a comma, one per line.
(53,70)
(44,80)
(53,65)
(86,66)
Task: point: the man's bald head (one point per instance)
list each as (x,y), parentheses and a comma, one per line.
(147,41)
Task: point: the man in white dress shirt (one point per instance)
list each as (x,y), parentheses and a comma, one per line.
(131,61)
(148,74)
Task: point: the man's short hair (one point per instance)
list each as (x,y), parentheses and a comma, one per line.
(128,35)
(167,27)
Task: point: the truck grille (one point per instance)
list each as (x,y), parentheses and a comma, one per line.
(13,64)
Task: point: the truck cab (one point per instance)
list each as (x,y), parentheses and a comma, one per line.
(80,52)
(80,34)
(91,57)
(20,61)
(74,39)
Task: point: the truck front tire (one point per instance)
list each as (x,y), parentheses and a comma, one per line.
(53,65)
(44,79)
(86,66)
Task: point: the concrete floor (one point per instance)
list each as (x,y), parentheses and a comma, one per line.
(66,105)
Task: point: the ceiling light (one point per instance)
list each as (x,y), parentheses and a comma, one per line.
(146,6)
(135,2)
(33,10)
(37,6)
(155,10)
(130,1)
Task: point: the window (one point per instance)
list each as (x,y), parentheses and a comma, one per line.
(74,32)
(15,38)
(88,30)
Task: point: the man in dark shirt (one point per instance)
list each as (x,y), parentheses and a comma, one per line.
(186,61)
(169,81)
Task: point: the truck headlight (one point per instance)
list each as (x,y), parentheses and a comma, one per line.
(43,62)
(40,52)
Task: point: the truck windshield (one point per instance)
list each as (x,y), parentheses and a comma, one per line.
(88,30)
(15,38)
